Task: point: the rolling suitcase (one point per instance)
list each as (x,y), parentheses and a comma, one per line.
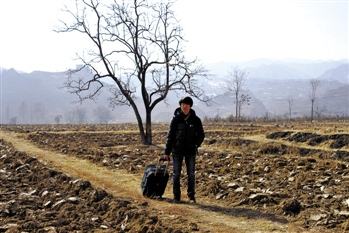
(154,180)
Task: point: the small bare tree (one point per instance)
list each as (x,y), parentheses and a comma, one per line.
(235,84)
(244,99)
(8,113)
(13,120)
(139,47)
(76,116)
(314,83)
(69,117)
(23,112)
(38,112)
(81,115)
(58,118)
(320,111)
(103,114)
(290,105)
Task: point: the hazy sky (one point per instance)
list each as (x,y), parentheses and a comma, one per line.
(216,30)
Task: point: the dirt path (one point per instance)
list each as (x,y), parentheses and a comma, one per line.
(208,216)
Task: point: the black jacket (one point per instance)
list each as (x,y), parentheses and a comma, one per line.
(186,133)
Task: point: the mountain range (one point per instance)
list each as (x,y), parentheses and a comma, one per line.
(39,96)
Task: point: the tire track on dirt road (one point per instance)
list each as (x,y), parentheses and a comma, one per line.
(120,183)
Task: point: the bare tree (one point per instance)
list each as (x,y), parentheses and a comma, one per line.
(23,112)
(80,114)
(38,112)
(267,116)
(58,118)
(103,114)
(13,120)
(76,116)
(290,105)
(139,46)
(314,83)
(69,117)
(8,113)
(244,99)
(320,111)
(235,84)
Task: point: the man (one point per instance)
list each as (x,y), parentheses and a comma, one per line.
(185,135)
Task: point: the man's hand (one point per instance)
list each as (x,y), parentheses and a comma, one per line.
(165,158)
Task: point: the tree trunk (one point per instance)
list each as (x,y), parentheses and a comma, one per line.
(141,131)
(140,124)
(240,106)
(148,131)
(236,107)
(312,110)
(147,134)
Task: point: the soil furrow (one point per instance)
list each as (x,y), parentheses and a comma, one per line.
(120,183)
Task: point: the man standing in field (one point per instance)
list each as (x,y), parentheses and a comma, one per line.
(185,136)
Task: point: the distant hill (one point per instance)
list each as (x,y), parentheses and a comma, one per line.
(38,97)
(274,83)
(339,74)
(275,69)
(335,102)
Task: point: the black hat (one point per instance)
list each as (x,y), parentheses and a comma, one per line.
(186,100)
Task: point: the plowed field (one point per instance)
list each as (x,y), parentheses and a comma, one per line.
(250,178)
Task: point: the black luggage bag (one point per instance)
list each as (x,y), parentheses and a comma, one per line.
(154,180)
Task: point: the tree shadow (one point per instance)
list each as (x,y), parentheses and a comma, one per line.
(232,211)
(241,212)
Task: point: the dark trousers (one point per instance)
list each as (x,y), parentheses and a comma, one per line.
(177,168)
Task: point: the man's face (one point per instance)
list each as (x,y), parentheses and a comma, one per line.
(185,108)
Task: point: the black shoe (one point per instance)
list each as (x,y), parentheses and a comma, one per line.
(157,197)
(192,200)
(176,201)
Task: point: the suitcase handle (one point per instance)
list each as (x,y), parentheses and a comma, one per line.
(158,165)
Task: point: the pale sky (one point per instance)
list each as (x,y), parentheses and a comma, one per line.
(216,30)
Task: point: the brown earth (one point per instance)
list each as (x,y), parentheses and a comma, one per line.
(35,198)
(201,218)
(250,178)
